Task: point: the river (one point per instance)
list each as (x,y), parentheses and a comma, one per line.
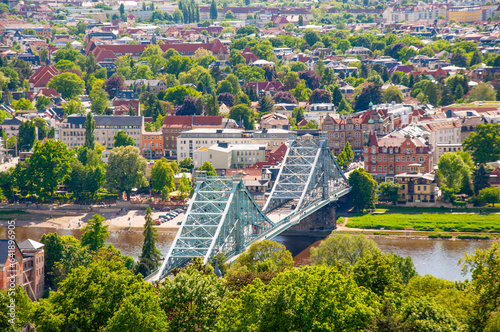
(436,257)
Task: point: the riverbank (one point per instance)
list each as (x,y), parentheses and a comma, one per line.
(116,219)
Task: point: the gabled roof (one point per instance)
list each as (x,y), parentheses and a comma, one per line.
(187,121)
(30,245)
(43,75)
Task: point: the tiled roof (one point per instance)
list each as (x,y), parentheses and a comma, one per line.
(189,121)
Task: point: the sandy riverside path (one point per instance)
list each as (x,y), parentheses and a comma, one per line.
(117,220)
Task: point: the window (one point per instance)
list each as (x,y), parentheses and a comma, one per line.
(379,168)
(379,158)
(397,159)
(418,188)
(402,168)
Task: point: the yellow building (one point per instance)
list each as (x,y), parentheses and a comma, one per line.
(465,14)
(416,186)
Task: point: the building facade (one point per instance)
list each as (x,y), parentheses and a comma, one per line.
(152,144)
(416,186)
(391,155)
(23,265)
(71,131)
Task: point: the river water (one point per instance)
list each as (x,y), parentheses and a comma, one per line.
(436,257)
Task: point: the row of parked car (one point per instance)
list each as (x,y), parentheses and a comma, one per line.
(169,216)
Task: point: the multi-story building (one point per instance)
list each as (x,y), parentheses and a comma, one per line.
(445,136)
(416,186)
(23,265)
(11,126)
(412,13)
(469,125)
(152,144)
(353,129)
(174,125)
(71,131)
(191,140)
(391,155)
(225,156)
(465,14)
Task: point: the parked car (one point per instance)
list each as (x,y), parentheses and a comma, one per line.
(158,222)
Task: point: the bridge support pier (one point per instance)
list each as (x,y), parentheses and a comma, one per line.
(324,217)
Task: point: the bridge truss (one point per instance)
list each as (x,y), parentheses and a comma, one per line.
(223,217)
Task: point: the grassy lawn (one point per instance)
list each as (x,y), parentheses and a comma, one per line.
(406,209)
(440,222)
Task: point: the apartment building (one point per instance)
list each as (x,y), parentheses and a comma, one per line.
(353,129)
(174,125)
(225,156)
(412,13)
(71,131)
(465,14)
(191,140)
(391,155)
(445,136)
(152,144)
(24,265)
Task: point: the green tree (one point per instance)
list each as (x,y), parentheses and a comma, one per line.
(301,21)
(88,298)
(42,102)
(264,256)
(162,176)
(99,101)
(186,165)
(336,96)
(364,188)
(390,190)
(89,131)
(431,93)
(393,94)
(72,107)
(452,170)
(69,85)
(95,233)
(242,113)
(346,156)
(481,179)
(22,105)
(184,186)
(485,284)
(122,139)
(476,58)
(208,168)
(265,104)
(338,249)
(213,11)
(192,300)
(125,169)
(290,302)
(489,195)
(225,87)
(49,166)
(150,255)
(43,128)
(484,144)
(482,92)
(425,315)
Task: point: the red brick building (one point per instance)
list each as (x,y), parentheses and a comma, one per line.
(24,265)
(173,126)
(391,155)
(152,144)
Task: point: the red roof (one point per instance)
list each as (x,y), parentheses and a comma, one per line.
(215,47)
(188,121)
(248,55)
(43,75)
(266,86)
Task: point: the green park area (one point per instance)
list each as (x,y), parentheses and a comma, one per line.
(448,222)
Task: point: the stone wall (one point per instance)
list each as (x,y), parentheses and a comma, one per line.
(322,218)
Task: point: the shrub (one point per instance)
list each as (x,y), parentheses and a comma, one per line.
(440,236)
(474,237)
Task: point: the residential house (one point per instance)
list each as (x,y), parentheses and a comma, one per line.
(42,76)
(274,121)
(266,87)
(416,186)
(10,126)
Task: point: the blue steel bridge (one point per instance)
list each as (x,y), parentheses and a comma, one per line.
(223,217)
